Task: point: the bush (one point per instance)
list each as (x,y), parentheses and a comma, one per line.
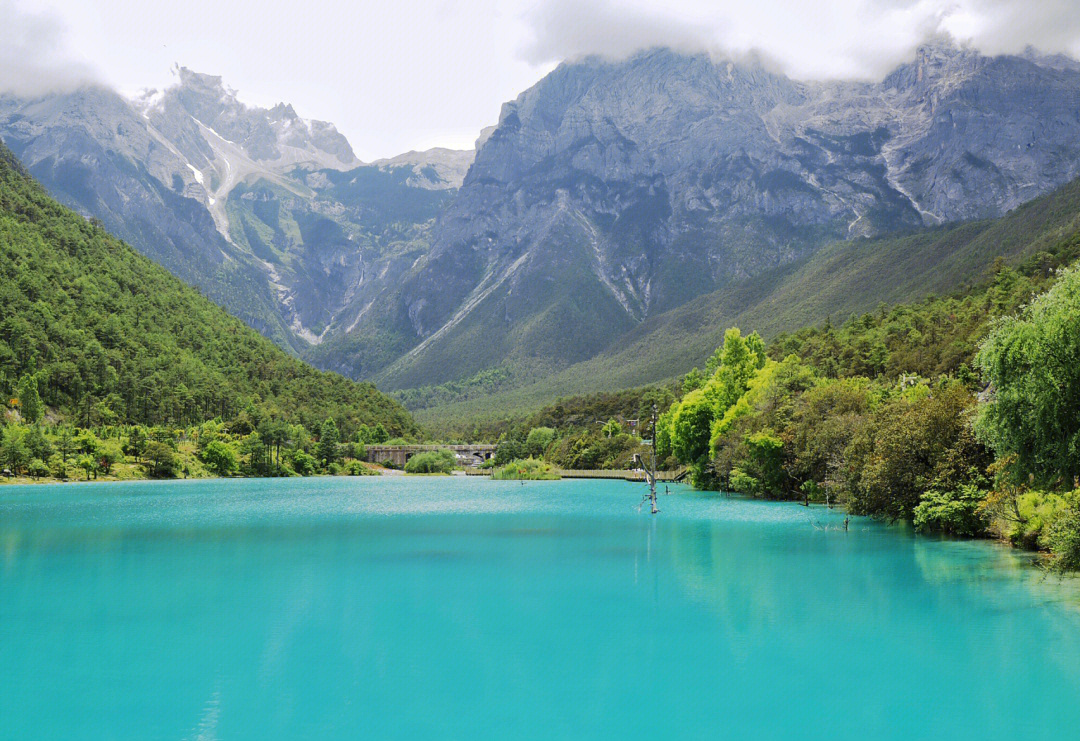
(958,512)
(356,468)
(538,441)
(1063,534)
(220,458)
(432,461)
(742,482)
(529,469)
(509,450)
(161,460)
(37,468)
(1035,511)
(58,468)
(303,463)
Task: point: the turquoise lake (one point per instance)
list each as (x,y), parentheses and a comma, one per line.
(402,608)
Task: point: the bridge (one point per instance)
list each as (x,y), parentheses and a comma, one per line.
(467,455)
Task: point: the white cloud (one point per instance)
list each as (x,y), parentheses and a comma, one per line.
(33,57)
(401,75)
(833,39)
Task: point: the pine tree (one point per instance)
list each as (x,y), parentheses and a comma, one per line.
(29,399)
(328,442)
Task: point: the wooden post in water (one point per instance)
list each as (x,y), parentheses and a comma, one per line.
(650,470)
(652,478)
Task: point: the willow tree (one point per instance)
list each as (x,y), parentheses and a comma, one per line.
(1032,362)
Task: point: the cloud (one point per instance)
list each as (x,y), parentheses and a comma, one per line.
(33,57)
(566,29)
(835,39)
(1008,26)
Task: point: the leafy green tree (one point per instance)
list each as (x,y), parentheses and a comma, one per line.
(87,442)
(65,442)
(765,456)
(329,439)
(58,468)
(611,428)
(88,465)
(220,458)
(1032,362)
(743,483)
(303,463)
(379,435)
(37,468)
(30,404)
(136,441)
(161,459)
(108,455)
(257,456)
(664,447)
(14,454)
(38,445)
(907,449)
(509,450)
(692,381)
(538,440)
(690,427)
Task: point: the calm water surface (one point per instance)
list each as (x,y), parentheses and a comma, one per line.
(472,609)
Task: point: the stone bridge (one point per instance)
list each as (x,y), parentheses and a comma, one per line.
(467,455)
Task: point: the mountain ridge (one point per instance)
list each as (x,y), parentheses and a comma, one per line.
(612,191)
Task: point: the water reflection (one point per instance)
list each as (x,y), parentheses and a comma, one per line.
(342,609)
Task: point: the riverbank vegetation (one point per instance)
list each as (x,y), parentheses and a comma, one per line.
(432,461)
(528,469)
(46,452)
(958,414)
(118,368)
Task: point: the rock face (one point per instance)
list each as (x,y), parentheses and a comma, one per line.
(608,193)
(270,214)
(613,191)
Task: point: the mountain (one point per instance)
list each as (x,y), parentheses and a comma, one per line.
(840,280)
(608,196)
(113,337)
(615,191)
(270,214)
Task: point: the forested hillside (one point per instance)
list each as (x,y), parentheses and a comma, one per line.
(839,281)
(957,413)
(108,337)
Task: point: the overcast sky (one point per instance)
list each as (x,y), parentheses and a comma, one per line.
(395,75)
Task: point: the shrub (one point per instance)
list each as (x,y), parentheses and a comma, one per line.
(529,469)
(37,468)
(509,450)
(161,460)
(538,441)
(432,461)
(742,482)
(220,458)
(1063,534)
(303,463)
(356,468)
(958,512)
(58,468)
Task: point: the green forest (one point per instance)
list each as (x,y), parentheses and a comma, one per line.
(956,413)
(105,356)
